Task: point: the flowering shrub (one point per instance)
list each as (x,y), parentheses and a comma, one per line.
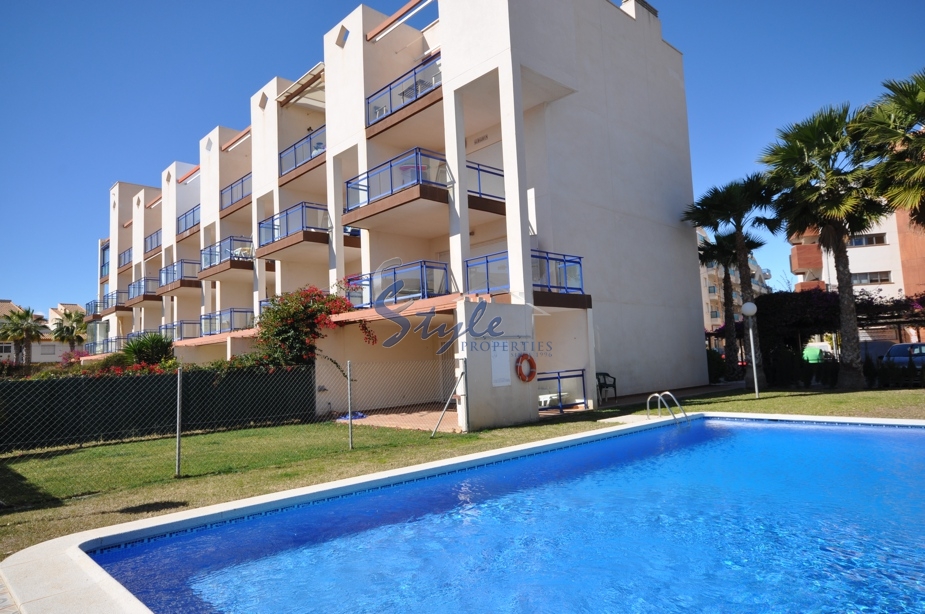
(72,358)
(6,368)
(291,325)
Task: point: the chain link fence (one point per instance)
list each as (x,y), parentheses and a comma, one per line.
(74,436)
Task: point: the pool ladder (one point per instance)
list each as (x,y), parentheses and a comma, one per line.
(661,396)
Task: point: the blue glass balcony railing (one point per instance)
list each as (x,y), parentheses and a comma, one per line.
(113,344)
(153,241)
(140,333)
(421,279)
(181,269)
(304,216)
(226,320)
(114,299)
(125,258)
(188,220)
(293,157)
(416,166)
(264,303)
(552,272)
(183,329)
(92,348)
(104,270)
(232,248)
(406,89)
(93,308)
(485,181)
(145,285)
(236,191)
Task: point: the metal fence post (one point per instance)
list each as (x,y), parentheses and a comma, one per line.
(349,406)
(179,415)
(465,367)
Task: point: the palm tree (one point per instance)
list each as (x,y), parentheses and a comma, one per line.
(894,128)
(22,328)
(722,251)
(734,208)
(826,188)
(70,328)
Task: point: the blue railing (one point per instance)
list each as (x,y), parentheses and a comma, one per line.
(561,397)
(114,299)
(140,333)
(181,269)
(404,90)
(153,241)
(92,348)
(236,191)
(264,303)
(293,157)
(104,270)
(125,258)
(93,308)
(232,248)
(304,216)
(226,320)
(485,181)
(415,166)
(188,220)
(183,329)
(113,344)
(551,272)
(145,285)
(421,279)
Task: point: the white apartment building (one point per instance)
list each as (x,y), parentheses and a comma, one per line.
(508,163)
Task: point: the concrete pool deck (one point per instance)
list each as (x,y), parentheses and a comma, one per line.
(58,576)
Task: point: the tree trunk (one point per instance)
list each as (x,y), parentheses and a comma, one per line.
(71,344)
(26,352)
(17,352)
(748,296)
(850,372)
(729,330)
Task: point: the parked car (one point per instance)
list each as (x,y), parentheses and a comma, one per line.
(900,353)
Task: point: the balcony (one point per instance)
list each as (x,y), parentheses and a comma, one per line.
(187,222)
(174,278)
(113,302)
(414,167)
(125,259)
(152,242)
(104,270)
(93,310)
(304,151)
(805,258)
(711,290)
(264,303)
(237,193)
(803,286)
(553,275)
(106,346)
(142,291)
(419,280)
(411,86)
(485,181)
(226,321)
(141,333)
(183,329)
(231,259)
(301,232)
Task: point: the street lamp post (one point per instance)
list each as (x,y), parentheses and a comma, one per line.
(749,310)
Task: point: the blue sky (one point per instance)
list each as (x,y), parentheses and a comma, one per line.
(108,91)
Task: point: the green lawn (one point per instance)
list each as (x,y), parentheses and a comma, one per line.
(48,496)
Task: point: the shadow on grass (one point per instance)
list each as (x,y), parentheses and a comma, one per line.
(154,506)
(17,493)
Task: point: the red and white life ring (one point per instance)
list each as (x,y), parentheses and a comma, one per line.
(519,368)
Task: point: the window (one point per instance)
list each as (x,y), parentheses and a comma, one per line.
(6,348)
(48,349)
(877,277)
(711,289)
(714,315)
(864,240)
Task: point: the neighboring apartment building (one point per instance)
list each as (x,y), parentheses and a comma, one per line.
(515,156)
(887,260)
(711,289)
(45,350)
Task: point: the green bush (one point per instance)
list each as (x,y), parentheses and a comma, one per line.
(149,348)
(716,366)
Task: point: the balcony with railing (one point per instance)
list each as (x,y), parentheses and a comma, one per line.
(93,310)
(125,259)
(306,150)
(141,333)
(175,277)
(301,232)
(104,270)
(236,193)
(105,346)
(180,330)
(187,221)
(405,90)
(114,301)
(552,272)
(152,241)
(226,321)
(414,167)
(231,259)
(415,280)
(142,290)
(264,303)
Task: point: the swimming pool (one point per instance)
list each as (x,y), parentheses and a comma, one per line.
(723,515)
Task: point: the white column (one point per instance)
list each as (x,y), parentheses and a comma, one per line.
(335,181)
(515,189)
(455,122)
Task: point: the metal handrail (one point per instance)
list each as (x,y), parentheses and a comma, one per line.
(291,220)
(404,90)
(153,240)
(236,191)
(187,220)
(302,151)
(661,401)
(558,376)
(412,171)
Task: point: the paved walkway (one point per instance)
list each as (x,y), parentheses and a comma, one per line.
(6,600)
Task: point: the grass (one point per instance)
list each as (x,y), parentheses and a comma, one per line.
(46,496)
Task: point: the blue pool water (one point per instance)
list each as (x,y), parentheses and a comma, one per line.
(721,516)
